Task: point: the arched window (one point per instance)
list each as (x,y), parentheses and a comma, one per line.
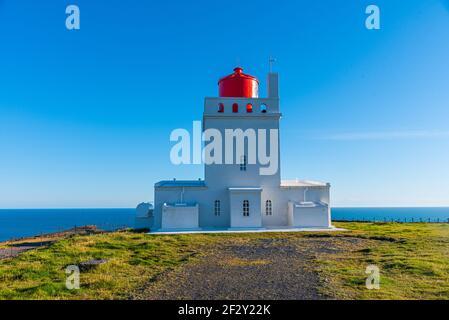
(268,208)
(243,163)
(235,108)
(263,108)
(221,107)
(245,208)
(249,108)
(217,207)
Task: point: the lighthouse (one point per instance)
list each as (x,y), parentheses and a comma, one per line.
(243,189)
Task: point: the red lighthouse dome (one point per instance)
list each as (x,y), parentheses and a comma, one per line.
(238,85)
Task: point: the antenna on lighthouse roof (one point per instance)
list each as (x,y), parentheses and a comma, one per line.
(271,60)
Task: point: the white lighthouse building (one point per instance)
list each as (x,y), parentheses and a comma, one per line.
(247,194)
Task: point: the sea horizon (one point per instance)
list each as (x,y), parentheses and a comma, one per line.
(28,222)
(133,208)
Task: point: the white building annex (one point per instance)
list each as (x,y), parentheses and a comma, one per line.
(237,197)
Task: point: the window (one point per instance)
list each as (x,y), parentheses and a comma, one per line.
(243,163)
(263,108)
(217,208)
(268,208)
(249,108)
(245,208)
(221,107)
(235,108)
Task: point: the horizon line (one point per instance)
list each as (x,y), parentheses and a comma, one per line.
(332,207)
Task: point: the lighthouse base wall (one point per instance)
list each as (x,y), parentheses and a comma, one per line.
(194,207)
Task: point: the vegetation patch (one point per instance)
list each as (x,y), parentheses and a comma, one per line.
(413,260)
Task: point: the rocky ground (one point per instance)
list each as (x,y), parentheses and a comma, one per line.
(256,269)
(14,250)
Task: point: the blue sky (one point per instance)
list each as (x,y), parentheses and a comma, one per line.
(85,116)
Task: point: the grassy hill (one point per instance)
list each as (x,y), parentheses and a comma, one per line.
(413,260)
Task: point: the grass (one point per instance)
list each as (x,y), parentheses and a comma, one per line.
(413,261)
(133,259)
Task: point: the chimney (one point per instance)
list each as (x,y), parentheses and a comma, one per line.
(273,85)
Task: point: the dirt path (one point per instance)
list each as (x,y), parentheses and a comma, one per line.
(12,248)
(15,250)
(244,269)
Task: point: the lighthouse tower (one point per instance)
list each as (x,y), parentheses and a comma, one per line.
(239,107)
(242,188)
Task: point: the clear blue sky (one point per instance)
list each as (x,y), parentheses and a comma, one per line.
(85,116)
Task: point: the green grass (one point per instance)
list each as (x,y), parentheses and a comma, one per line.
(413,261)
(133,260)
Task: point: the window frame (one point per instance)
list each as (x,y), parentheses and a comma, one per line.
(217,208)
(245,208)
(243,163)
(268,208)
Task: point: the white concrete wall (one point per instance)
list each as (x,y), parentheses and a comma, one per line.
(180,217)
(238,220)
(206,196)
(211,106)
(280,197)
(230,175)
(291,215)
(273,85)
(303,217)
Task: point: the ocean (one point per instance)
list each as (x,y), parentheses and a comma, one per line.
(430,214)
(18,223)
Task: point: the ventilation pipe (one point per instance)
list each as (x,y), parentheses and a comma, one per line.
(305,194)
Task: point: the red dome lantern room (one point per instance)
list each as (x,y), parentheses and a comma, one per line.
(239,85)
